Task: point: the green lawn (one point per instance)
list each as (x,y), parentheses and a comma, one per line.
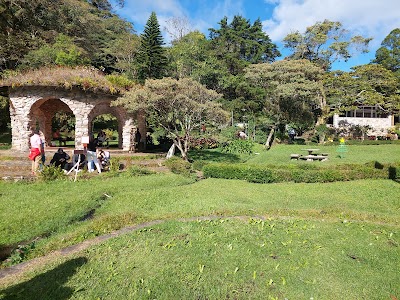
(228,259)
(280,154)
(336,240)
(315,240)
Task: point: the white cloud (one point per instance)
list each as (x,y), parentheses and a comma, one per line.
(209,13)
(138,12)
(205,15)
(370,18)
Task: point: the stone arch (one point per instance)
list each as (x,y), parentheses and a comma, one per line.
(37,104)
(125,121)
(42,112)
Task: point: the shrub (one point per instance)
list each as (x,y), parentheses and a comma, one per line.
(199,164)
(203,143)
(238,147)
(301,173)
(258,174)
(51,173)
(178,166)
(115,164)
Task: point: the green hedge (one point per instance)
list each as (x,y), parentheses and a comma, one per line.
(301,173)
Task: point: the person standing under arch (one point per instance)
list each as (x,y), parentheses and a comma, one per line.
(36,150)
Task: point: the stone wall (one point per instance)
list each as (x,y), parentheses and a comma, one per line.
(35,106)
(379,126)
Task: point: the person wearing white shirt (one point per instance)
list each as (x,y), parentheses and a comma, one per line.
(36,151)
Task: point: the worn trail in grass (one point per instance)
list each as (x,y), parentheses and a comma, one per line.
(56,209)
(227,258)
(212,239)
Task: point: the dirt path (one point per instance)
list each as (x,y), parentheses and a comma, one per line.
(11,274)
(14,273)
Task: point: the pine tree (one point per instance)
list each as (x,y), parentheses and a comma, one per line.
(152,61)
(389,54)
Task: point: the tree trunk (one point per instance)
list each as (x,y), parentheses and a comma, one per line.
(183,151)
(171,151)
(321,121)
(321,136)
(269,139)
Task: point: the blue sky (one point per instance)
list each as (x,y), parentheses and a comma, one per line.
(370,18)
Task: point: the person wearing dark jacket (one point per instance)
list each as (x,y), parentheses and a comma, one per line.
(60,159)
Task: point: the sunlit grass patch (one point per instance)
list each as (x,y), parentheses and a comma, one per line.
(247,258)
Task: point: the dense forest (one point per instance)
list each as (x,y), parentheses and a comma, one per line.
(237,60)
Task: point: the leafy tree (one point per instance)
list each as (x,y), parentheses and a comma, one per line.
(188,54)
(124,50)
(235,46)
(177,107)
(389,54)
(291,88)
(191,56)
(101,42)
(29,25)
(62,53)
(4,113)
(365,85)
(151,59)
(324,43)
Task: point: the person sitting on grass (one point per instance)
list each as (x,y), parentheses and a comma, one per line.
(60,159)
(104,158)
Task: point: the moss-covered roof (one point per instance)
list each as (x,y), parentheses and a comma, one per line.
(85,78)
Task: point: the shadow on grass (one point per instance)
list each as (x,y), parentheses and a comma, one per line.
(214,156)
(49,285)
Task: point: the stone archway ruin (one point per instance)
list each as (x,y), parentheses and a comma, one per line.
(32,106)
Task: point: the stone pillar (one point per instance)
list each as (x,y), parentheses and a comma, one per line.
(141,124)
(21,122)
(81,111)
(126,136)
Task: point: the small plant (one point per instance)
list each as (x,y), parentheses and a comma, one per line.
(18,255)
(115,164)
(120,81)
(52,173)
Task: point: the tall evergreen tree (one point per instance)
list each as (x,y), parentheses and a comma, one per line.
(240,44)
(152,60)
(389,54)
(237,45)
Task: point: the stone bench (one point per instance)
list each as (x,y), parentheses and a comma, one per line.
(295,156)
(315,157)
